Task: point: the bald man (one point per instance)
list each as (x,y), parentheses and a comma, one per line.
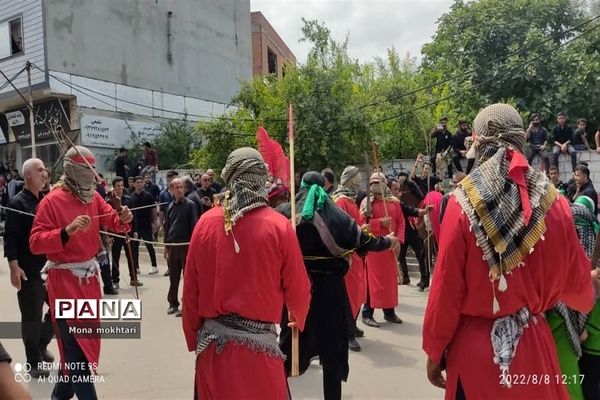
(25,268)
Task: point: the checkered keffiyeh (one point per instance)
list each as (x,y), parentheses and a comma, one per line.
(492,200)
(349,184)
(245,175)
(79,177)
(506,332)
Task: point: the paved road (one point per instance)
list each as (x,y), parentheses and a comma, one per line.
(158,366)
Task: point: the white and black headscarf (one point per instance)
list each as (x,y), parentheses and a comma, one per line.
(80,177)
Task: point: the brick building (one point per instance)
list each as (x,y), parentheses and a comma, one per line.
(270,54)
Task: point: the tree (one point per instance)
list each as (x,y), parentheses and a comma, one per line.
(174,144)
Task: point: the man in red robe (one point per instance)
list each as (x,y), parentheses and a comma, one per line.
(356,284)
(244,263)
(508,252)
(382,267)
(67,229)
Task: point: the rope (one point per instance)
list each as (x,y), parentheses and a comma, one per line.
(158,244)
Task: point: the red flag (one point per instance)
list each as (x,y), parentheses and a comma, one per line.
(273,154)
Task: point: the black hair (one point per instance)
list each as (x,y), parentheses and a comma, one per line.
(328,174)
(583,169)
(561,114)
(147,144)
(122,150)
(137,178)
(117,180)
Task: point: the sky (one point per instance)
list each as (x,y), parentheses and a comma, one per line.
(372,26)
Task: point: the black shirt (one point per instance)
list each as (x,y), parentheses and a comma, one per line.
(443,139)
(586,190)
(120,163)
(180,220)
(562,135)
(142,219)
(217,186)
(422,183)
(153,189)
(537,136)
(578,137)
(458,140)
(16,234)
(210,192)
(195,198)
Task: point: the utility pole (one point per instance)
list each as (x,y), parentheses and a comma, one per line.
(31,115)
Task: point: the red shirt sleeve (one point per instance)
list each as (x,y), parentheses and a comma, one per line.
(45,232)
(400,228)
(448,286)
(109,217)
(294,278)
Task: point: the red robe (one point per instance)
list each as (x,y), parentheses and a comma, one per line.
(459,314)
(254,283)
(382,267)
(435,199)
(57,210)
(356,283)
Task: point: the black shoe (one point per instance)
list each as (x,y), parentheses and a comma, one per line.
(353,345)
(369,321)
(47,356)
(38,372)
(178,313)
(110,290)
(359,332)
(166,272)
(172,310)
(406,281)
(393,319)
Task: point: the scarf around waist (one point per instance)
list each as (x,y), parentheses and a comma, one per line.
(260,337)
(81,269)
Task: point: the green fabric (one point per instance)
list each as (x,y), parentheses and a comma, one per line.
(592,326)
(569,364)
(316,194)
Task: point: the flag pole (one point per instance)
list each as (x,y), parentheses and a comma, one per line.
(295,336)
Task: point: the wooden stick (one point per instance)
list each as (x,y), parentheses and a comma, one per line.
(295,334)
(376,161)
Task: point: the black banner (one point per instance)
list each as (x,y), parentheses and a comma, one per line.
(49,116)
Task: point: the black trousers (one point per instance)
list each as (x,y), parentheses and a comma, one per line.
(135,248)
(589,366)
(119,244)
(36,332)
(77,384)
(332,384)
(412,239)
(456,160)
(176,263)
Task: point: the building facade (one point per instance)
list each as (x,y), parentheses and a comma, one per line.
(270,54)
(104,70)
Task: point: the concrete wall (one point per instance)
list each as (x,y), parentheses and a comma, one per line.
(264,37)
(33,43)
(126,42)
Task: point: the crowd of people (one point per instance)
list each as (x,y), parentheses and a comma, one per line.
(509,249)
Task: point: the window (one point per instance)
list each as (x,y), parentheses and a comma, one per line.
(11,37)
(272,61)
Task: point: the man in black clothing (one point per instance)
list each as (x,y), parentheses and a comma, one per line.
(458,145)
(25,269)
(119,243)
(213,183)
(554,176)
(144,222)
(180,219)
(122,165)
(411,237)
(191,193)
(326,330)
(206,192)
(329,180)
(583,186)
(562,136)
(537,137)
(443,142)
(426,181)
(151,188)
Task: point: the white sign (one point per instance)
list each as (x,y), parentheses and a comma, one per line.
(15,118)
(114,132)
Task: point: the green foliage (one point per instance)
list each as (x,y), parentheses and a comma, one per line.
(484,51)
(174,144)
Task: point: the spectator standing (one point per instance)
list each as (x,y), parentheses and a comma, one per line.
(213,183)
(206,192)
(151,188)
(15,184)
(122,165)
(144,222)
(562,187)
(426,182)
(443,142)
(459,147)
(583,186)
(180,220)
